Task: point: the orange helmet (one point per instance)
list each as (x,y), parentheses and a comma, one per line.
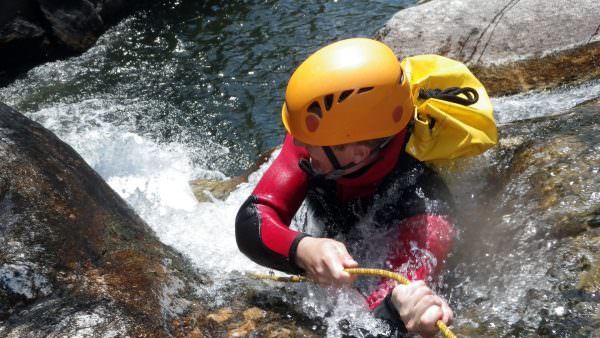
(348,91)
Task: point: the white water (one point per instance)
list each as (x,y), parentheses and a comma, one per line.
(543,103)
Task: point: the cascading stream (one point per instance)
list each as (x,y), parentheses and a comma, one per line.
(189,91)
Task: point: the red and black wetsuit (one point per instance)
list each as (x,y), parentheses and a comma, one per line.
(396,190)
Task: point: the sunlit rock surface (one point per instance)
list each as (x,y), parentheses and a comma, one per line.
(511,45)
(207,190)
(527,260)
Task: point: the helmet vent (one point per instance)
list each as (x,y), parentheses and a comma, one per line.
(315,108)
(344,95)
(364,89)
(328,101)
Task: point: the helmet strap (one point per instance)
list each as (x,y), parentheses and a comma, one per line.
(331,156)
(339,170)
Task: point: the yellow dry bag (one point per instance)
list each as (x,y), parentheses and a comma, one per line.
(453,115)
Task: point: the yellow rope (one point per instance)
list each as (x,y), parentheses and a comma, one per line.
(287,279)
(366,272)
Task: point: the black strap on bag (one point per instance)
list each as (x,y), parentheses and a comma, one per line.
(451,95)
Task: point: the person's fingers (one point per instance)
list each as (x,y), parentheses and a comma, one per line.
(334,270)
(426,302)
(414,286)
(406,291)
(402,298)
(347,262)
(448,315)
(420,309)
(419,292)
(347,259)
(336,259)
(428,319)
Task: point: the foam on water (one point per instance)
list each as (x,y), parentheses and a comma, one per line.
(543,102)
(154,179)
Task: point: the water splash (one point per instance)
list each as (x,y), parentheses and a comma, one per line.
(538,103)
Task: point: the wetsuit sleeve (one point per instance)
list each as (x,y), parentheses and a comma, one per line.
(423,241)
(262,223)
(422,245)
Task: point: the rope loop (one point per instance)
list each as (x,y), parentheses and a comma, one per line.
(451,95)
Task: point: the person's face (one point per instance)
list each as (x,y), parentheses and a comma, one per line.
(350,153)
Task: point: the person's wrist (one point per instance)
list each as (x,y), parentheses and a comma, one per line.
(301,251)
(293,253)
(394,297)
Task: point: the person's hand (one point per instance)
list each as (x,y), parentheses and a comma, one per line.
(420,309)
(324,261)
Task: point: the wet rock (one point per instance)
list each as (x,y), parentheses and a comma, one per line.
(510,45)
(23,36)
(589,279)
(528,264)
(76,24)
(264,309)
(33,31)
(256,322)
(207,190)
(221,316)
(74,258)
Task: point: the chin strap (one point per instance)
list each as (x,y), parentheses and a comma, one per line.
(339,170)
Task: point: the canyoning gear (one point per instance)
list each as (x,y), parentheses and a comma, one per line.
(453,115)
(391,314)
(400,193)
(348,91)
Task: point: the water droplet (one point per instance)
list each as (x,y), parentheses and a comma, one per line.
(559,311)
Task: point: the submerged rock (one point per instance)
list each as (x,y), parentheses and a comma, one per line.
(206,190)
(511,46)
(528,265)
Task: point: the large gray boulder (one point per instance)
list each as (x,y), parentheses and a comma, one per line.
(74,258)
(510,45)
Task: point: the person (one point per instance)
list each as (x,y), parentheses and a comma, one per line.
(347,111)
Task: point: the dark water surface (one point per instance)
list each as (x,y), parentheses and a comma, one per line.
(194,72)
